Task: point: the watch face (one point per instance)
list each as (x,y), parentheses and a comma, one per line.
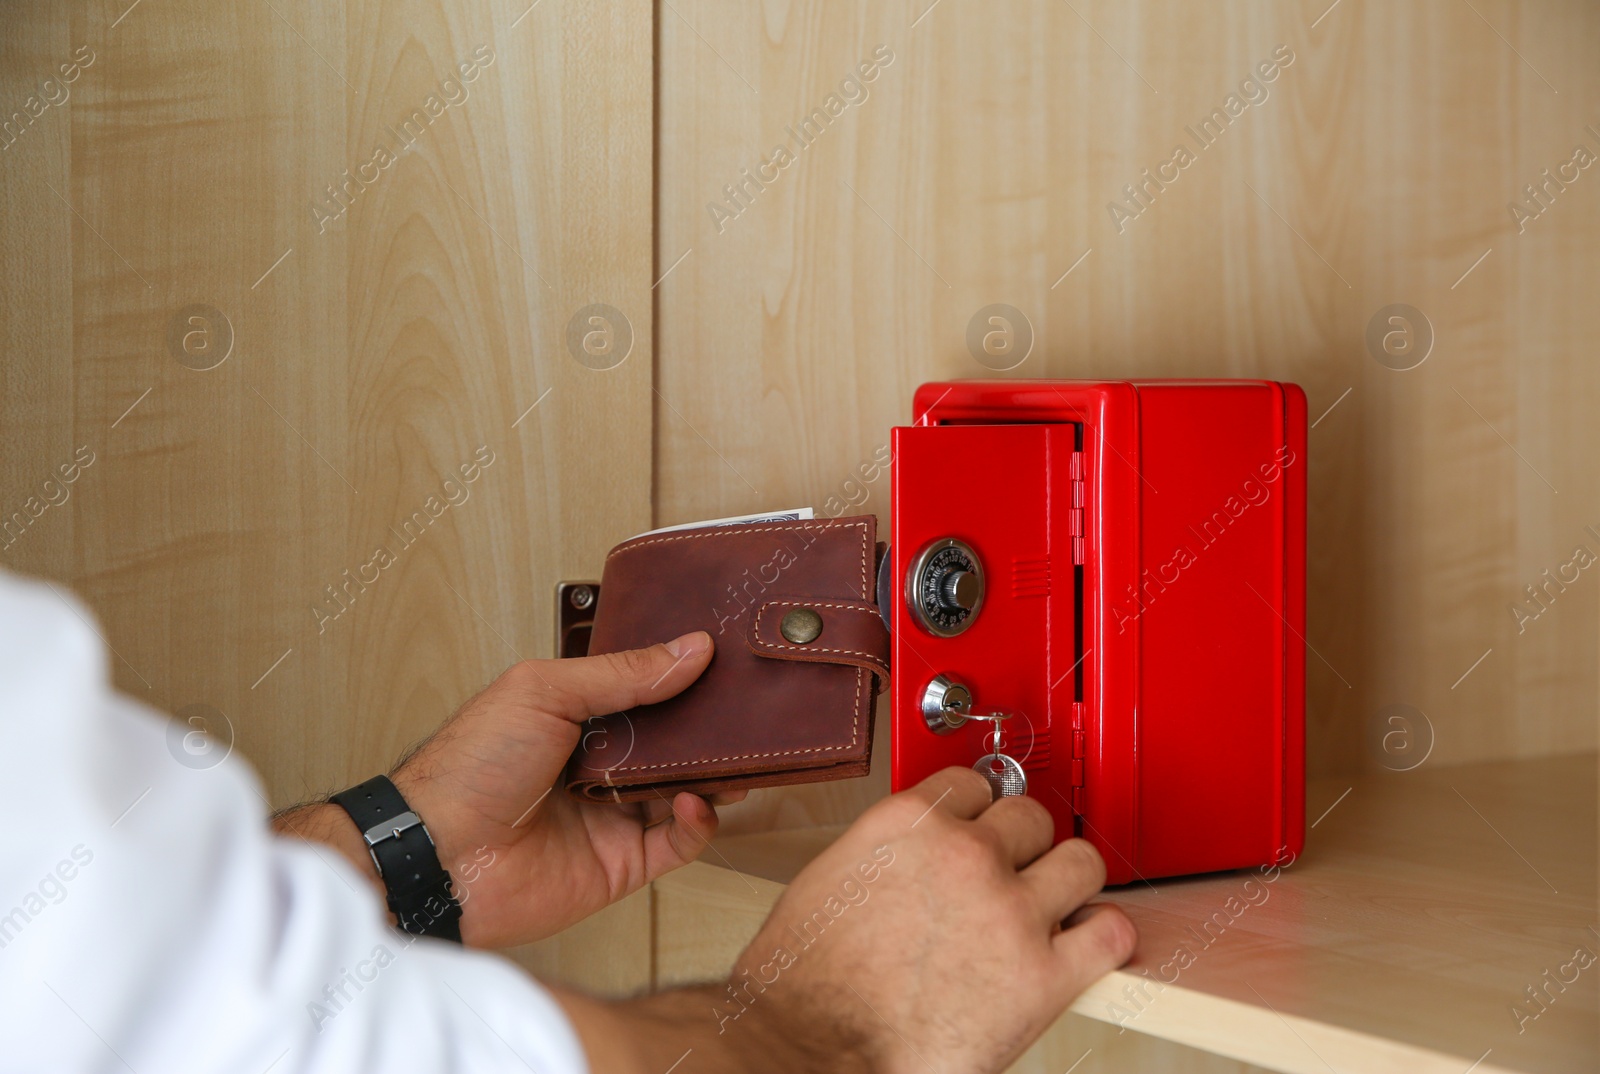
(945,587)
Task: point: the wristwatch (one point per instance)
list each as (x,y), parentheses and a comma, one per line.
(418,886)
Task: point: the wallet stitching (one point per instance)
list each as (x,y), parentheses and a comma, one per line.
(855,714)
(730,531)
(819,648)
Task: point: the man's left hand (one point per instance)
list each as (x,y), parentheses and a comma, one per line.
(527,859)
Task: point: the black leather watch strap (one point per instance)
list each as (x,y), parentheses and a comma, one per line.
(417,885)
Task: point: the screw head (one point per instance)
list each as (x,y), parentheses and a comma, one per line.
(581,597)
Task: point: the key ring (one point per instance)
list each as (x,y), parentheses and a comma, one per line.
(994,719)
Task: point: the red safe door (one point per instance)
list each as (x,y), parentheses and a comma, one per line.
(996,489)
(1143,608)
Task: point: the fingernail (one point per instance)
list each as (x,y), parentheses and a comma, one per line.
(690,644)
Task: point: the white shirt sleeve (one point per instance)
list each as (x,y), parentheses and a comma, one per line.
(149,920)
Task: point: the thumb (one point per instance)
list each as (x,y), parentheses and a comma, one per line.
(586,686)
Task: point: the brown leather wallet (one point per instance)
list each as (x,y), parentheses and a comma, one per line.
(778,704)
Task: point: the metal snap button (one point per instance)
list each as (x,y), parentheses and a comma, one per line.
(801,626)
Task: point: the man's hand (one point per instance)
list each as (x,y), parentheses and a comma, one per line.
(956,951)
(527,860)
(940,931)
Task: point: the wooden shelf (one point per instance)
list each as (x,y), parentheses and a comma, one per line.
(1404,939)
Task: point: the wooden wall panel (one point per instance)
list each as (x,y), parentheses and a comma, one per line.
(979,169)
(376,349)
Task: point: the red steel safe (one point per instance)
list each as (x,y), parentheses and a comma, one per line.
(1120,567)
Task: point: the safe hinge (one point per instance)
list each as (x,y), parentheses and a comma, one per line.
(1075,514)
(1079,713)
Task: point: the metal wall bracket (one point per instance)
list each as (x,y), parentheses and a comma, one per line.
(575,605)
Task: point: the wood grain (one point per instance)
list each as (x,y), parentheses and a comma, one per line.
(1405,938)
(376,350)
(607,954)
(980,168)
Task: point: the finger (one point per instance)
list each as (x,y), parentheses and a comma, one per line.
(659,808)
(1024,826)
(960,792)
(585,686)
(1065,878)
(1098,939)
(1088,910)
(679,839)
(655,810)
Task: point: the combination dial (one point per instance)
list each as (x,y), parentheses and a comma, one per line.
(944,587)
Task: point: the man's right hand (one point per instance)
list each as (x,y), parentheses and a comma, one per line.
(940,932)
(940,928)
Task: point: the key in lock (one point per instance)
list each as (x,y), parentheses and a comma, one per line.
(946,707)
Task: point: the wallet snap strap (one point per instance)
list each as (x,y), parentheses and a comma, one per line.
(823,631)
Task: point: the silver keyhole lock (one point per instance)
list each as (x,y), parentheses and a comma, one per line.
(944,587)
(946,704)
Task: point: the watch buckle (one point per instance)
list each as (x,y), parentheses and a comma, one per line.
(391,828)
